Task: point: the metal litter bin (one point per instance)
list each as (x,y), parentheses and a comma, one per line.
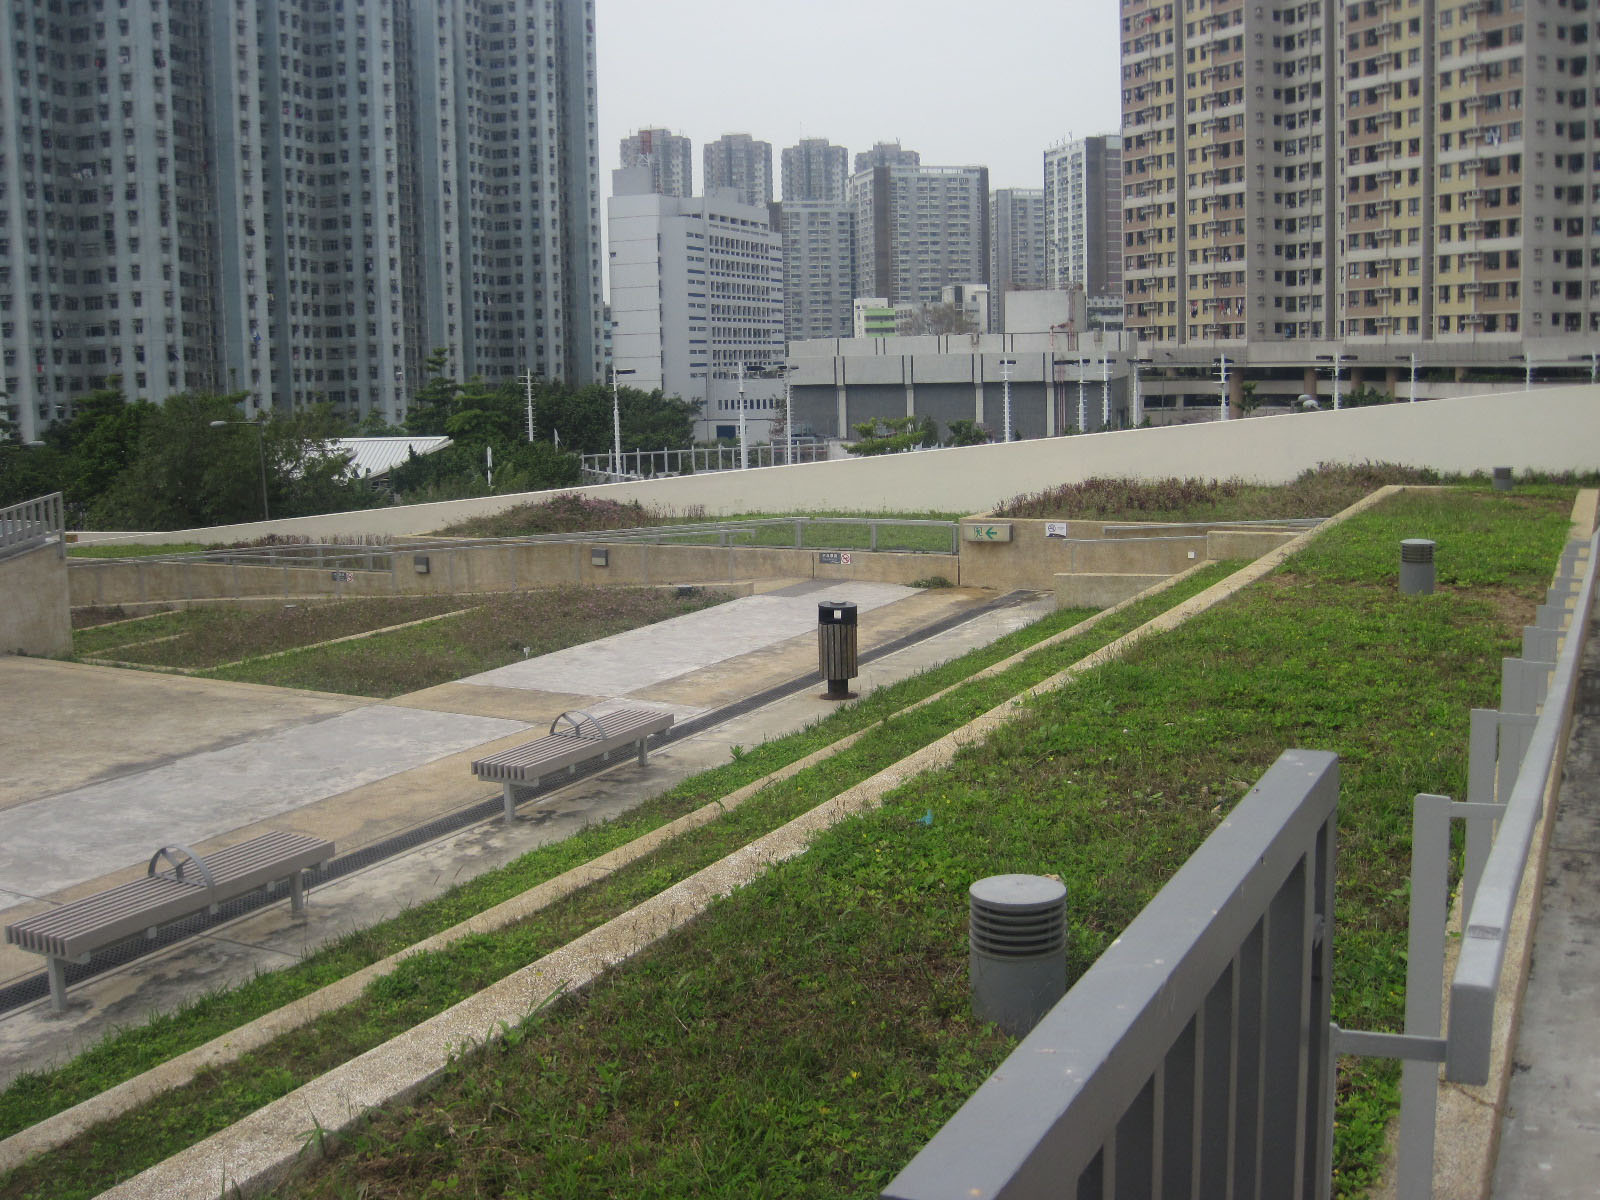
(836,646)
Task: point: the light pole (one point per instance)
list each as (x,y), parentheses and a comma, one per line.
(788,414)
(261,445)
(744,449)
(1337,361)
(1105,390)
(1413,378)
(616,420)
(1222,386)
(1005,380)
(1083,400)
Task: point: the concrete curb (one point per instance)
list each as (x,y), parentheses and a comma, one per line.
(263,1148)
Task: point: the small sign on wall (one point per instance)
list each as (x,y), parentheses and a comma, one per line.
(834,558)
(342,577)
(1055,529)
(987,533)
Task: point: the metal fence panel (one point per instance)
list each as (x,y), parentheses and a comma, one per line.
(1193,1056)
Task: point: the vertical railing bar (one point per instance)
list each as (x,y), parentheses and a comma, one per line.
(1419,1086)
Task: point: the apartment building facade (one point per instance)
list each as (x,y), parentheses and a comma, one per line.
(919,229)
(294,201)
(1083,218)
(1385,171)
(1016,245)
(815,169)
(668,156)
(740,164)
(818,267)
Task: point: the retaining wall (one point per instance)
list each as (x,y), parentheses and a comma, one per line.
(34,614)
(1548,429)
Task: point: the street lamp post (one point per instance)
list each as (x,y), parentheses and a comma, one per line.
(261,445)
(1005,379)
(1083,399)
(1413,378)
(1222,386)
(744,447)
(616,420)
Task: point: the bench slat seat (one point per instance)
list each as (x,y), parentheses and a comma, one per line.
(586,737)
(73,931)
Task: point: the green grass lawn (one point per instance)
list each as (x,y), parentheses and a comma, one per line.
(485,631)
(807,1035)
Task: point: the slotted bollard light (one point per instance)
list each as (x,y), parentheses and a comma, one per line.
(1416,567)
(1017,949)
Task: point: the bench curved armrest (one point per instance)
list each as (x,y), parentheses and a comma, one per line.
(177,867)
(576,717)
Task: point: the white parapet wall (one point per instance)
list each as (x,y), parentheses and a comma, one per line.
(1546,429)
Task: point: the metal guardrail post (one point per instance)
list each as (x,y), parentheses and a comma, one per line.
(1475,985)
(872,535)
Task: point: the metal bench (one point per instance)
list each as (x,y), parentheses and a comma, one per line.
(575,737)
(74,931)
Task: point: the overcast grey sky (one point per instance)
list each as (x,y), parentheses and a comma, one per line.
(965,83)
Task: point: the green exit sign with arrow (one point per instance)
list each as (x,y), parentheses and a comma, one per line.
(987,533)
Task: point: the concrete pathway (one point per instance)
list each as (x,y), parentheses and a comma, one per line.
(65,839)
(1550,1134)
(358,815)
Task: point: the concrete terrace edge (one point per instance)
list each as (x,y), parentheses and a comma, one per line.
(58,1129)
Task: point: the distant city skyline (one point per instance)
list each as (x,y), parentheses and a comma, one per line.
(960,87)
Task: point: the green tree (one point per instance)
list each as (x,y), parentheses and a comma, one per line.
(1248,400)
(968,433)
(891,435)
(433,402)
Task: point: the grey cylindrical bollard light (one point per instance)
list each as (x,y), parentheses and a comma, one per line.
(836,646)
(1017,949)
(1502,479)
(1416,567)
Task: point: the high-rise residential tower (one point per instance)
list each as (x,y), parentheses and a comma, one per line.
(1016,244)
(919,229)
(815,169)
(670,157)
(818,267)
(292,200)
(1083,216)
(886,154)
(740,164)
(1394,170)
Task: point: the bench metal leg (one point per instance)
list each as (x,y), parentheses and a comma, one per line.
(57,970)
(644,750)
(508,793)
(297,894)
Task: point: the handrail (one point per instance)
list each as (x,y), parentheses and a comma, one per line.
(1476,981)
(31,523)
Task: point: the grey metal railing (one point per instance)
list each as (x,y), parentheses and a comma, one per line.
(1192,1058)
(1513,753)
(696,460)
(30,524)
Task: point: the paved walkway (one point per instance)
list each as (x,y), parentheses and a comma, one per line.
(1550,1136)
(387,768)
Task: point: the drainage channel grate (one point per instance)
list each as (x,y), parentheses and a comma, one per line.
(36,987)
